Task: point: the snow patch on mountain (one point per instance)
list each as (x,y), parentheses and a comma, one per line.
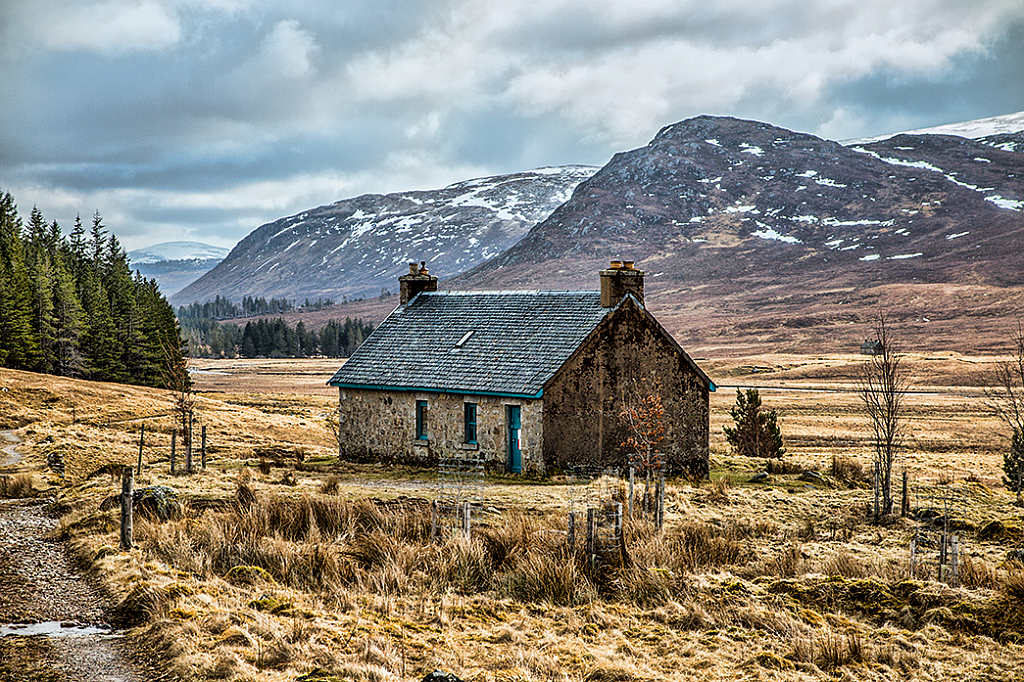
(982,127)
(176,251)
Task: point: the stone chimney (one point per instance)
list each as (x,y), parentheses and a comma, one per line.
(419,279)
(619,279)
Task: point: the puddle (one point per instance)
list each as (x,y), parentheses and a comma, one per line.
(53,628)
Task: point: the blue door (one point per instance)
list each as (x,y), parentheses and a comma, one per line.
(515,455)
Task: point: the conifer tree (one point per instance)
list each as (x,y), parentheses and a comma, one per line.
(756,432)
(69,320)
(20,347)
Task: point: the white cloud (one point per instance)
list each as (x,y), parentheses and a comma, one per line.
(114,27)
(286,52)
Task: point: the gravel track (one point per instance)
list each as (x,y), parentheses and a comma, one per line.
(39,584)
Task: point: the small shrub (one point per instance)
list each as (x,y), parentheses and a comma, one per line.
(977,574)
(786,563)
(756,432)
(248,575)
(1013,585)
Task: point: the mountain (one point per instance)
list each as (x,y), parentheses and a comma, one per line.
(354,247)
(177,251)
(753,237)
(745,228)
(981,128)
(175,264)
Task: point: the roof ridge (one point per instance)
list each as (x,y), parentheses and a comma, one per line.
(507,292)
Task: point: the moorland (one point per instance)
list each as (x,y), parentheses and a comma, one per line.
(284,563)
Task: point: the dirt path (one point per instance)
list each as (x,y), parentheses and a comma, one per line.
(38,585)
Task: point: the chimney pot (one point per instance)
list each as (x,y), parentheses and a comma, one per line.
(419,279)
(620,279)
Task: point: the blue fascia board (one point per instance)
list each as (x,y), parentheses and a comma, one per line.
(441,391)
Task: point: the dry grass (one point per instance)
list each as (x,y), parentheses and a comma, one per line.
(336,576)
(17,485)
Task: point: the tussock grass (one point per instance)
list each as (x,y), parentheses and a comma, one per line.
(17,485)
(262,581)
(847,469)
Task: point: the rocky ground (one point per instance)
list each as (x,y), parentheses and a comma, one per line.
(40,586)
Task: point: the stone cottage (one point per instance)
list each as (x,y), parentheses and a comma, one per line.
(525,379)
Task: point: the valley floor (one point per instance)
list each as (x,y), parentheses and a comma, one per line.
(289,565)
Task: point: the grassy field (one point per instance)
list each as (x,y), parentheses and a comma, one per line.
(286,564)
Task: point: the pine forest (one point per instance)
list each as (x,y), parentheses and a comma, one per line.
(70,305)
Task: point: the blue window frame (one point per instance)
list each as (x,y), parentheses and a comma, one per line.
(469,419)
(421,420)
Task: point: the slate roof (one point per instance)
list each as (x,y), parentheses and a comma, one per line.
(519,340)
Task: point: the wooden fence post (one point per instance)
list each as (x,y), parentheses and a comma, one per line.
(465,520)
(618,520)
(571,533)
(943,556)
(905,501)
(630,500)
(913,557)
(203,452)
(954,561)
(126,507)
(188,446)
(661,498)
(433,521)
(591,533)
(874,488)
(142,439)
(174,443)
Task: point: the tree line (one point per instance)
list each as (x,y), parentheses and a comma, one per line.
(223,308)
(71,306)
(273,338)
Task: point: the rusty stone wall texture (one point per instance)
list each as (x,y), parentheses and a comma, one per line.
(627,352)
(381,425)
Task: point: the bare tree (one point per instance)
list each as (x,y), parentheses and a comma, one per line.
(882,383)
(333,422)
(1005,399)
(179,382)
(643,416)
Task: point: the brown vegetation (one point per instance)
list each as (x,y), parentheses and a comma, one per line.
(336,577)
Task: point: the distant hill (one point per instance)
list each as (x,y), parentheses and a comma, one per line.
(176,264)
(752,236)
(354,247)
(764,229)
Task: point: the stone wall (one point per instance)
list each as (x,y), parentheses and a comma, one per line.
(381,425)
(628,352)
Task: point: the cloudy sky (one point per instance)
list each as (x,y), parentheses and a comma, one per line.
(202,119)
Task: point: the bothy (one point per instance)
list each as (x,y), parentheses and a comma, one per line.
(524,379)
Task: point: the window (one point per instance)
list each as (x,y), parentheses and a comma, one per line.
(421,420)
(469,414)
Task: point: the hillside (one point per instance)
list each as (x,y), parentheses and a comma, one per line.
(753,235)
(354,247)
